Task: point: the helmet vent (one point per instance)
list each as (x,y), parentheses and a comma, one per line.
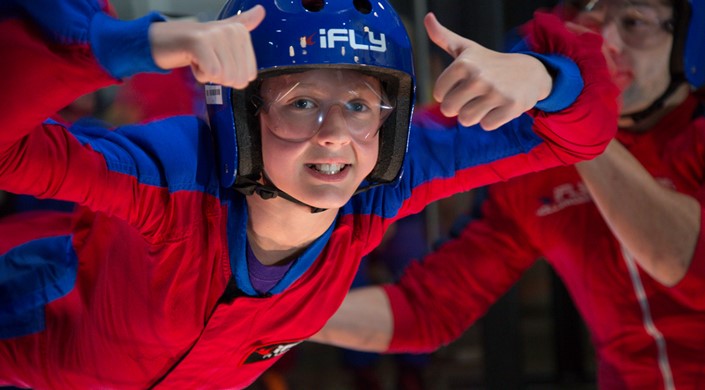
(363,6)
(313,5)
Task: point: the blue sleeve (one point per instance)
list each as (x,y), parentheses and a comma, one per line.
(173,153)
(121,47)
(567,81)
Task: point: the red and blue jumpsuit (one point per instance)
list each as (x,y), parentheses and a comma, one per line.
(148,286)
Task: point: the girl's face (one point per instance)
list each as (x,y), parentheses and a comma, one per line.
(320,133)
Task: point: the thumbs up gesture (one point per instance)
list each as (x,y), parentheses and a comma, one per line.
(220,52)
(484,86)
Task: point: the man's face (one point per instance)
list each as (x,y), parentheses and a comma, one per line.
(320,133)
(639,38)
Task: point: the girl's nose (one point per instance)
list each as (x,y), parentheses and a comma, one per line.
(334,127)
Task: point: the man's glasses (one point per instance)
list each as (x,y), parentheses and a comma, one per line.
(641,25)
(297,114)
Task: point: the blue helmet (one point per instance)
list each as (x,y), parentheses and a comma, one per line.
(694,43)
(687,62)
(297,35)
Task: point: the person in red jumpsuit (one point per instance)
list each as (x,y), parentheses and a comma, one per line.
(201,252)
(623,231)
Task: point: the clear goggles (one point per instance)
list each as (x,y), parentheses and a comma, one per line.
(641,25)
(296,112)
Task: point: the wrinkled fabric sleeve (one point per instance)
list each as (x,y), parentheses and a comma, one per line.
(445,158)
(57,51)
(128,172)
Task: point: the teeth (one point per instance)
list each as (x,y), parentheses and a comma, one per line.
(329,169)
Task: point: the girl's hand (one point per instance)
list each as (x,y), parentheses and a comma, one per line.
(484,86)
(219,52)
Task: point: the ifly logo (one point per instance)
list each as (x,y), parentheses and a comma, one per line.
(269,351)
(330,37)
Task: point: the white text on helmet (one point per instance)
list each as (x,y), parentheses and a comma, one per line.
(330,37)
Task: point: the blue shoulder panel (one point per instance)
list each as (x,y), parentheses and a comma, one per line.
(439,153)
(176,152)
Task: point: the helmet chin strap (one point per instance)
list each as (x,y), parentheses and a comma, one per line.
(657,104)
(249,186)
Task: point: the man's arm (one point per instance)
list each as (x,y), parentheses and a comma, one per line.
(439,297)
(363,322)
(657,225)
